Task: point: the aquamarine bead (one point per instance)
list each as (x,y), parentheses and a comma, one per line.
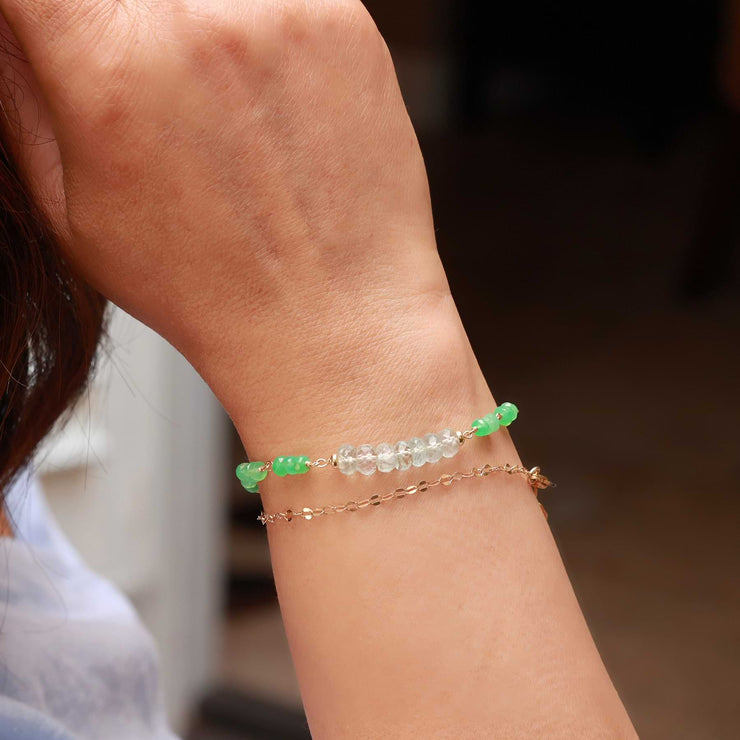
(450,443)
(366,460)
(418,452)
(347,459)
(387,459)
(403,455)
(434,447)
(508,413)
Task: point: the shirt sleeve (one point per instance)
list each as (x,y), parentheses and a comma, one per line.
(20,722)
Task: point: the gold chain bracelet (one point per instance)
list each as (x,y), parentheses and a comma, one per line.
(533,476)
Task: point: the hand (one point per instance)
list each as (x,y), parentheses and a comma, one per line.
(237,175)
(243,177)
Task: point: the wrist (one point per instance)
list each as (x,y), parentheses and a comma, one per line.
(401,369)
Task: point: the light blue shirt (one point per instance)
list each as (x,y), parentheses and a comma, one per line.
(75,661)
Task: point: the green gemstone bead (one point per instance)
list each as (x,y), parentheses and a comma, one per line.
(484,428)
(251,487)
(301,464)
(250,473)
(508,413)
(254,472)
(281,466)
(493,421)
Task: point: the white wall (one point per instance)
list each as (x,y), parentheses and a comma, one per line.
(137,480)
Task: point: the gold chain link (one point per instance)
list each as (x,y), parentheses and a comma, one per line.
(533,476)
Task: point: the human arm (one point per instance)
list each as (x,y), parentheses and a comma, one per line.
(244,179)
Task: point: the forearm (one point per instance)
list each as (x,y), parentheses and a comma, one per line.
(266,210)
(447,614)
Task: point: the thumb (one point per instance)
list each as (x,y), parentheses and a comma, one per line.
(28,132)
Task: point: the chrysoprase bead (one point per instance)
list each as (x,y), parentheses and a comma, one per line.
(250,473)
(493,421)
(450,443)
(483,428)
(347,459)
(508,413)
(434,447)
(403,454)
(281,465)
(300,464)
(418,452)
(252,487)
(254,471)
(366,460)
(386,458)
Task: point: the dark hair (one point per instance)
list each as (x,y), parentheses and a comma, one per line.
(51,324)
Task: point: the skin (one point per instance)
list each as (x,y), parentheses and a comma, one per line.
(243,177)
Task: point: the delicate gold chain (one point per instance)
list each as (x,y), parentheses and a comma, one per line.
(533,476)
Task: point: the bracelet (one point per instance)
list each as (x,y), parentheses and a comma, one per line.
(534,478)
(384,457)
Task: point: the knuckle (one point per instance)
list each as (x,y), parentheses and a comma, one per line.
(94,69)
(346,29)
(335,19)
(211,32)
(218,37)
(102,100)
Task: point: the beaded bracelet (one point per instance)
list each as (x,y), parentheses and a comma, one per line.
(534,478)
(384,457)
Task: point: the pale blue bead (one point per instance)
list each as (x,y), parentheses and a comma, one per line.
(418,452)
(450,443)
(403,454)
(366,459)
(387,459)
(434,447)
(347,459)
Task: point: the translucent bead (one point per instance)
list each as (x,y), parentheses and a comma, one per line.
(366,460)
(254,472)
(249,474)
(387,458)
(403,453)
(418,452)
(301,465)
(280,465)
(494,424)
(450,443)
(483,427)
(347,459)
(508,413)
(434,447)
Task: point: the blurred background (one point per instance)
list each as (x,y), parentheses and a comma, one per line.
(584,161)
